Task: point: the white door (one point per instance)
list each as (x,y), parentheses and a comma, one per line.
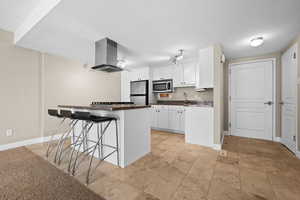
(251,108)
(289,98)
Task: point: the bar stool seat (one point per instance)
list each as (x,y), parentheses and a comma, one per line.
(54,113)
(98,119)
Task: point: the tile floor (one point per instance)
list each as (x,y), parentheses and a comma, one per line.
(245,169)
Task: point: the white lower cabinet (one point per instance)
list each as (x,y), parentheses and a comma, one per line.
(199,126)
(169,118)
(176,118)
(163,117)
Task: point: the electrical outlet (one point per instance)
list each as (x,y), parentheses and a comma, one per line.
(9,132)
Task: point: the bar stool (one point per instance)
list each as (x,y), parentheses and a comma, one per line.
(64,114)
(83,138)
(76,116)
(66,135)
(99,120)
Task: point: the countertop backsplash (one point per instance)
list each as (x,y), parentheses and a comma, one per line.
(188,93)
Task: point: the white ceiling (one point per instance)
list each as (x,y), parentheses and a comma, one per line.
(13,12)
(150,31)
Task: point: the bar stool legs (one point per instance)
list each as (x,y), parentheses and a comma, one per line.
(63,138)
(78,153)
(100,143)
(87,152)
(117,142)
(76,143)
(49,150)
(82,144)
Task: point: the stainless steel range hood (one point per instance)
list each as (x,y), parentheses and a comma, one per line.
(106,56)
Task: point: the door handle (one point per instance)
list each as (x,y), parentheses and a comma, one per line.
(281,103)
(268,103)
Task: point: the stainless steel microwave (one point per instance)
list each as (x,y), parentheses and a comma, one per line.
(163,86)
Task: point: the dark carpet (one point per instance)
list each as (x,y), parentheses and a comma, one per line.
(26,176)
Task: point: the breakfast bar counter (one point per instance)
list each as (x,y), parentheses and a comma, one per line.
(106,107)
(133,125)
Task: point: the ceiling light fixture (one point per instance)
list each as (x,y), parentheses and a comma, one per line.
(121,63)
(177,57)
(256,42)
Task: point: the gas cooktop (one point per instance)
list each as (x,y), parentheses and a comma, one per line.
(111,103)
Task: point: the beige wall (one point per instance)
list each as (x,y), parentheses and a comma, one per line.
(19,89)
(31,82)
(278,87)
(218,95)
(68,82)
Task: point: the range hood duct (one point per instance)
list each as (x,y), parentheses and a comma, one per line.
(106,56)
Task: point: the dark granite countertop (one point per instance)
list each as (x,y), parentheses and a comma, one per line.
(106,107)
(185,103)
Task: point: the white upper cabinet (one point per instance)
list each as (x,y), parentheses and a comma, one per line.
(160,73)
(205,69)
(184,74)
(189,73)
(139,74)
(177,76)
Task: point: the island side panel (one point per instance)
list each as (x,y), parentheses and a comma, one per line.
(137,134)
(109,136)
(110,139)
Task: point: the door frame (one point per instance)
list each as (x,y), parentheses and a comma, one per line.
(275,113)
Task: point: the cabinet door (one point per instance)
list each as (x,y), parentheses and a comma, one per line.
(181,121)
(189,73)
(162,118)
(153,117)
(156,73)
(160,73)
(177,76)
(173,119)
(139,74)
(176,119)
(133,75)
(205,69)
(143,73)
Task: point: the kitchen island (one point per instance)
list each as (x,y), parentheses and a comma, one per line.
(133,129)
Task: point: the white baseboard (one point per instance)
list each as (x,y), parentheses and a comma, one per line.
(167,130)
(277,139)
(298,154)
(217,147)
(226,133)
(27,142)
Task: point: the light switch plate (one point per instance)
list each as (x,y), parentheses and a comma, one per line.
(9,132)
